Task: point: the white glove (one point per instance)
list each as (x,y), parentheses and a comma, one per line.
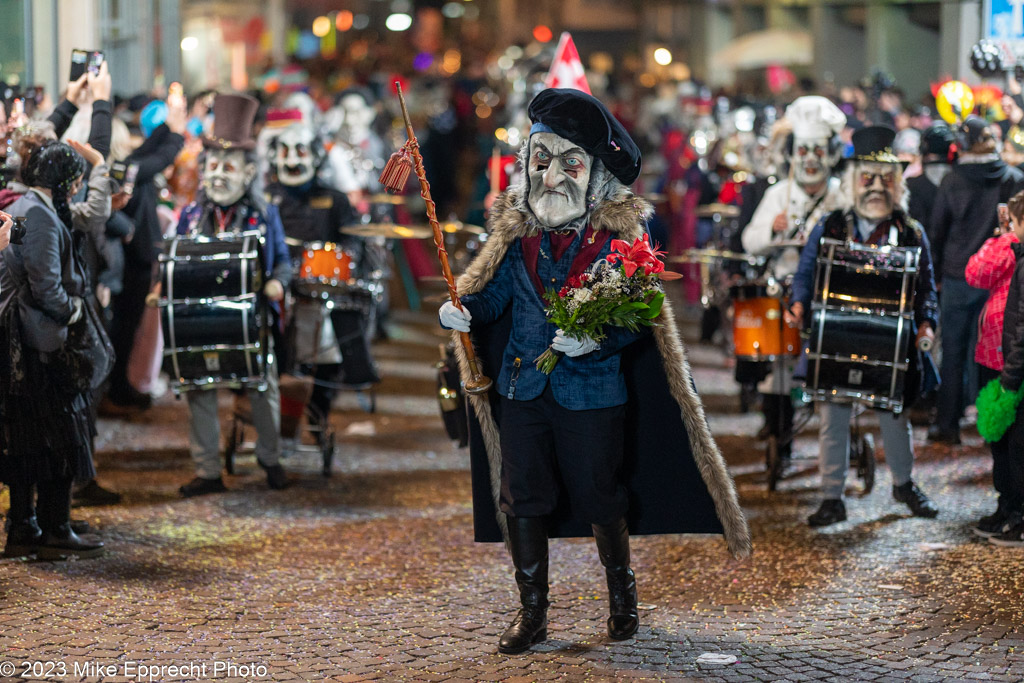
(454,318)
(76,310)
(571,346)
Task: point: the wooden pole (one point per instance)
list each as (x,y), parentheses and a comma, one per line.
(478,384)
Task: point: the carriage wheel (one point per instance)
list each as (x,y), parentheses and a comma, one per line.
(234,439)
(327,452)
(866,466)
(774,462)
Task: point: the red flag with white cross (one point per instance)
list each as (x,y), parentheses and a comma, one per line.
(567,69)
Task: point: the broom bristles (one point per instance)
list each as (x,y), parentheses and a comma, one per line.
(396,171)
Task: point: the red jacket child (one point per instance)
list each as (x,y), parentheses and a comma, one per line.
(992,268)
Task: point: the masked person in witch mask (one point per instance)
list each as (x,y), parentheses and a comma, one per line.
(873,189)
(230,201)
(572,453)
(335,340)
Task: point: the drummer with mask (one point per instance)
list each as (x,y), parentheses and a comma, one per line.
(874,193)
(786,214)
(230,201)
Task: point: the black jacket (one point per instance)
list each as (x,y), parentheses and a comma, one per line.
(964,214)
(922,198)
(1013,327)
(152,156)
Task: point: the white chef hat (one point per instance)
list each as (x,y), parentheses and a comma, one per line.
(815,117)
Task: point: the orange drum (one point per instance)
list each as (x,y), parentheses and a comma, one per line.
(758,329)
(325,263)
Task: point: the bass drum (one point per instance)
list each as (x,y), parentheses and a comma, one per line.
(861,324)
(213,316)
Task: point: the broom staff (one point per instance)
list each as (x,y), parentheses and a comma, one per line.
(479,383)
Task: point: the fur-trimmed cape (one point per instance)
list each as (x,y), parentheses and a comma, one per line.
(675,474)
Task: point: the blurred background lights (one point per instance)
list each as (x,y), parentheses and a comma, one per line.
(398,22)
(321,25)
(662,56)
(344,20)
(360,21)
(542,34)
(189,43)
(453,10)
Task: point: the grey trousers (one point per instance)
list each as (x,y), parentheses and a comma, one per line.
(834,447)
(204,427)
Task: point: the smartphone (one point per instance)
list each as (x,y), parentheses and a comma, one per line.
(85,60)
(1003,214)
(128,187)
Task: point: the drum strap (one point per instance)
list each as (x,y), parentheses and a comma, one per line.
(810,211)
(223,218)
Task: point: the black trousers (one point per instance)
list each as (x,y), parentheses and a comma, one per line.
(127,308)
(545,447)
(1007,454)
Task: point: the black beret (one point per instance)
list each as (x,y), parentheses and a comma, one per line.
(582,119)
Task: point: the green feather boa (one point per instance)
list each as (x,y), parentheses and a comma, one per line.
(997,409)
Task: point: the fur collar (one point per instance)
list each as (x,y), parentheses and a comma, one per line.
(618,215)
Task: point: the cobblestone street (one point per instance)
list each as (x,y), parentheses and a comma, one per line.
(372,574)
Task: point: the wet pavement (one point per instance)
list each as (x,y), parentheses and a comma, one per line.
(372,574)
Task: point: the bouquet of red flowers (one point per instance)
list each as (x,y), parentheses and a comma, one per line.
(623,290)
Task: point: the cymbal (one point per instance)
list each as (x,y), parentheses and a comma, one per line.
(385,198)
(714,255)
(785,244)
(459,226)
(391,231)
(726,210)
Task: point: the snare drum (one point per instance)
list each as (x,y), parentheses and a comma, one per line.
(759,330)
(212,314)
(325,269)
(862,321)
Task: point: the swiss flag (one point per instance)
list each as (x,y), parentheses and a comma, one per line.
(567,69)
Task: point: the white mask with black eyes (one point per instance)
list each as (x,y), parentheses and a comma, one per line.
(227,175)
(294,156)
(559,172)
(811,161)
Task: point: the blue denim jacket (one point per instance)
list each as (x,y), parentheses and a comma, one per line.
(587,382)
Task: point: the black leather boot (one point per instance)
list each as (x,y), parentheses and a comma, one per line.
(528,541)
(23,532)
(58,539)
(613,548)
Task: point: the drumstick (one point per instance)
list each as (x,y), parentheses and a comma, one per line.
(396,170)
(789,191)
(153,298)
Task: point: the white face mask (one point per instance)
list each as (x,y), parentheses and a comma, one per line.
(811,161)
(294,156)
(356,118)
(875,187)
(227,175)
(559,174)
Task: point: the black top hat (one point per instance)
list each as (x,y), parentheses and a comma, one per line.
(584,120)
(233,116)
(874,143)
